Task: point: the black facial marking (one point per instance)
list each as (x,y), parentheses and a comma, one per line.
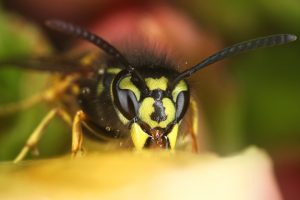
(157,94)
(159,114)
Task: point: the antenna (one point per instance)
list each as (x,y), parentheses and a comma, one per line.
(79,32)
(242,47)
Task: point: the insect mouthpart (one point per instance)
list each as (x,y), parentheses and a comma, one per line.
(158,139)
(154,137)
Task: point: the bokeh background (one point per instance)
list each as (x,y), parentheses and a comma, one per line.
(250,99)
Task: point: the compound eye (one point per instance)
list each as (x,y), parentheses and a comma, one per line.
(182,102)
(127,103)
(181,97)
(126,96)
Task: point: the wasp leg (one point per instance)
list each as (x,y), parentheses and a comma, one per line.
(64,116)
(22,105)
(38,132)
(49,95)
(194,128)
(77,136)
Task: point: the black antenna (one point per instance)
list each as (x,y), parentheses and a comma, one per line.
(245,46)
(77,31)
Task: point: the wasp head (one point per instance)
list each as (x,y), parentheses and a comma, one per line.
(152,109)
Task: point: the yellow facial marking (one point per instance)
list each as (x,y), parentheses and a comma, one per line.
(157,83)
(172,136)
(181,86)
(126,83)
(170,112)
(146,109)
(123,119)
(139,137)
(113,70)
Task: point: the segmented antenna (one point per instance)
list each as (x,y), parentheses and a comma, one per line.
(77,31)
(245,46)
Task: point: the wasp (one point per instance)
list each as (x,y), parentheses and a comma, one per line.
(140,99)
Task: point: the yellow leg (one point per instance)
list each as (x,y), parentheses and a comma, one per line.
(77,136)
(64,116)
(194,128)
(35,136)
(48,95)
(38,132)
(22,105)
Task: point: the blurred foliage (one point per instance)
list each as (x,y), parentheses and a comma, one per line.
(269,86)
(16,85)
(266,110)
(239,19)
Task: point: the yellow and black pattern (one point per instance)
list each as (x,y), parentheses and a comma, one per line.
(153,113)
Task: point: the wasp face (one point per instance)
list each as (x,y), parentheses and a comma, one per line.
(151,109)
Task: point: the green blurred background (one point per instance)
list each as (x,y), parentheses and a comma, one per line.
(266,110)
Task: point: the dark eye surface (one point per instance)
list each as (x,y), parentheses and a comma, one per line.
(182,103)
(126,95)
(127,103)
(181,97)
